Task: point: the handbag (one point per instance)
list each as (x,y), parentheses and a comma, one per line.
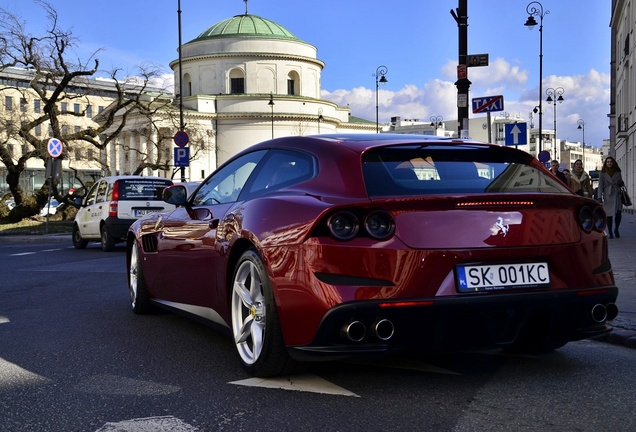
(625,199)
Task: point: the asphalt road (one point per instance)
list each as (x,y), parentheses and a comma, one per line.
(73,357)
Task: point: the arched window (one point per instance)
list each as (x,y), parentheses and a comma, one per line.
(187,85)
(293,83)
(237,81)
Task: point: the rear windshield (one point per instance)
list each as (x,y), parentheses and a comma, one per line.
(142,189)
(426,170)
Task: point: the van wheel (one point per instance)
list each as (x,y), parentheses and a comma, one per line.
(108,242)
(78,241)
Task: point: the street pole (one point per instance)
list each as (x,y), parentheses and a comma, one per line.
(380,71)
(463,84)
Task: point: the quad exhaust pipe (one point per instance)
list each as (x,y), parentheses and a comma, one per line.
(356,331)
(602,313)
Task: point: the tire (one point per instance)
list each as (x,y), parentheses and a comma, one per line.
(139,298)
(255,325)
(78,241)
(108,242)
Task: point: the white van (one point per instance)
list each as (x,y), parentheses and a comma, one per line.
(113,204)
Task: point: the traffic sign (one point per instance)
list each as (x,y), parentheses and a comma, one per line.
(544,156)
(181,139)
(54,147)
(488,104)
(181,156)
(516,133)
(476,60)
(462,72)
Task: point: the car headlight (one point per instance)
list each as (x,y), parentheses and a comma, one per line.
(343,225)
(379,224)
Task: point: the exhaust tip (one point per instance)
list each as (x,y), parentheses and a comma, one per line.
(599,313)
(355,331)
(384,329)
(612,311)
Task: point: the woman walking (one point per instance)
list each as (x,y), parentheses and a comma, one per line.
(610,181)
(580,180)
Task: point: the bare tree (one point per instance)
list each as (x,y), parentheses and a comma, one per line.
(56,77)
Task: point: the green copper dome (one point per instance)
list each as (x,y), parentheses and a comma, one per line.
(247,26)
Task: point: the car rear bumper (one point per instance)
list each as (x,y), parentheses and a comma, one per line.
(118,228)
(376,328)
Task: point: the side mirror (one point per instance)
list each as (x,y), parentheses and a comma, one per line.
(176,195)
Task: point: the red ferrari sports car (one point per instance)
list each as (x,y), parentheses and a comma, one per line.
(334,246)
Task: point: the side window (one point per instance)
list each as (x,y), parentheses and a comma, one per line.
(227,183)
(282,168)
(101,191)
(90,197)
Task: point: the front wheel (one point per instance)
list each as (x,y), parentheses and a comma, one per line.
(139,298)
(255,325)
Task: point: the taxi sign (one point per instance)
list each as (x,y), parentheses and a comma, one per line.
(54,147)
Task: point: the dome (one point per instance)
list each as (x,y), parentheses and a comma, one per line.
(247,26)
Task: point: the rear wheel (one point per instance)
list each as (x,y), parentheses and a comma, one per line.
(139,298)
(255,324)
(78,241)
(108,242)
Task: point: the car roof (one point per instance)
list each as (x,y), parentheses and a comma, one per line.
(110,179)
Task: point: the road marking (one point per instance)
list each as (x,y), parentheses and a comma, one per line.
(12,375)
(23,253)
(154,424)
(3,319)
(305,382)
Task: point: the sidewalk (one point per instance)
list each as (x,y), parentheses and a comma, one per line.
(622,252)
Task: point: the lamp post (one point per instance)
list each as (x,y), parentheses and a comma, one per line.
(271,104)
(558,97)
(380,77)
(320,118)
(581,124)
(536,9)
(436,122)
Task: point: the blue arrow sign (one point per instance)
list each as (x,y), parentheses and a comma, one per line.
(516,133)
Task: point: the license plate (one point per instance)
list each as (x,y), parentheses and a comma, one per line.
(502,276)
(140,213)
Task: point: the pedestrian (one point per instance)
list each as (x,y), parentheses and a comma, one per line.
(554,169)
(610,181)
(568,179)
(581,183)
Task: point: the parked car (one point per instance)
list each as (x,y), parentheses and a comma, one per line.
(51,207)
(334,246)
(112,204)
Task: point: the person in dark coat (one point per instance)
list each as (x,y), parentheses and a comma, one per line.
(554,169)
(610,181)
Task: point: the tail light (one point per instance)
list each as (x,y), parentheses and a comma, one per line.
(592,218)
(345,225)
(112,208)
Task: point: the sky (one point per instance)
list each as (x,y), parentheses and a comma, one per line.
(416,40)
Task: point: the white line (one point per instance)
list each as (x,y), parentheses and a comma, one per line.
(305,382)
(23,253)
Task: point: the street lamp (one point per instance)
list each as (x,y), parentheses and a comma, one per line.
(537,10)
(380,77)
(271,104)
(581,124)
(436,122)
(558,97)
(320,118)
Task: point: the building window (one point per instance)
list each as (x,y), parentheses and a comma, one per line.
(38,130)
(64,129)
(290,87)
(90,154)
(64,107)
(293,83)
(100,109)
(76,108)
(89,111)
(237,85)
(8,103)
(36,106)
(78,154)
(23,105)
